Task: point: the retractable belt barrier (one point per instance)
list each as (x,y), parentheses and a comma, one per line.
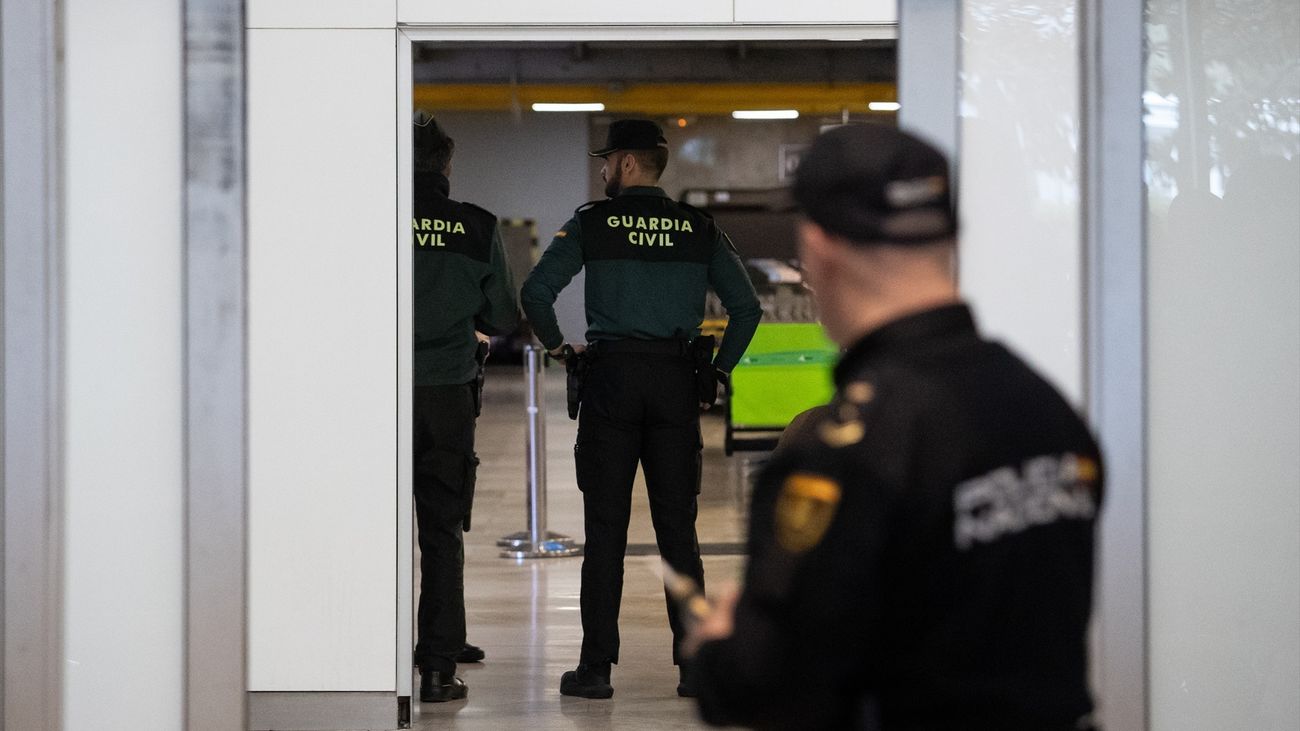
(536,542)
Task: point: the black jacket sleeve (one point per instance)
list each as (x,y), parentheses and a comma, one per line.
(810,602)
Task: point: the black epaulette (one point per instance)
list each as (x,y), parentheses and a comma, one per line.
(589,205)
(480,209)
(725,238)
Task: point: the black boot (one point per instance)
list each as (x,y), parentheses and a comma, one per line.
(436,687)
(587,681)
(686,681)
(470,653)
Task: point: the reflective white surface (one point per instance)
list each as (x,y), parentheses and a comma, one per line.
(1019,189)
(123,488)
(571,11)
(322,360)
(321,14)
(816,11)
(1223,173)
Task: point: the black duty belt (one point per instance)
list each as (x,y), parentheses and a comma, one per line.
(669,346)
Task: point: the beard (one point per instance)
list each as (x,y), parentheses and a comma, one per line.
(614,185)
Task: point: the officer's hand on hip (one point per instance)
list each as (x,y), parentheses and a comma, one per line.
(565,350)
(722,379)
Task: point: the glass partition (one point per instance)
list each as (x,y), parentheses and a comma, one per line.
(1222,119)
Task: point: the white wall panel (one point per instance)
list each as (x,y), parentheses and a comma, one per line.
(1223,344)
(1021,249)
(432,12)
(123,601)
(322,404)
(322,13)
(816,11)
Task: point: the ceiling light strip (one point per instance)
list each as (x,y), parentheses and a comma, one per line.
(765,114)
(568,107)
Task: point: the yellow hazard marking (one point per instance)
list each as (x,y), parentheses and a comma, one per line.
(804,510)
(841,435)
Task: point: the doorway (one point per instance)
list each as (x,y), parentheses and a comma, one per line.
(490,90)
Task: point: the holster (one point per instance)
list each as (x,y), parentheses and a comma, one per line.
(480,357)
(575,370)
(706,375)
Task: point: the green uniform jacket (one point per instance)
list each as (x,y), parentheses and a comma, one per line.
(650,261)
(462,283)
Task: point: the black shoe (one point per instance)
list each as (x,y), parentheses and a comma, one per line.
(470,653)
(686,682)
(586,682)
(436,687)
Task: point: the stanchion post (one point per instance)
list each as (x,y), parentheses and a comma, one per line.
(536,542)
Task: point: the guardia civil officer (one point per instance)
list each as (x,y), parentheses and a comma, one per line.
(921,556)
(461,281)
(649,263)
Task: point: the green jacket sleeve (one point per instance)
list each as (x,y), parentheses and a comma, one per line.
(557,267)
(728,278)
(500,313)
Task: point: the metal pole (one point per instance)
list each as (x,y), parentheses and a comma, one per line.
(536,542)
(536,446)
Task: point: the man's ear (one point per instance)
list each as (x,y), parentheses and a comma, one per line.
(628,163)
(814,242)
(814,251)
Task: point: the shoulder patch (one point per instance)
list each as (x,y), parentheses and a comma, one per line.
(561,234)
(804,510)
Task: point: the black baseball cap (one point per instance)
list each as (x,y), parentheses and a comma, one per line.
(872,183)
(631,134)
(426,129)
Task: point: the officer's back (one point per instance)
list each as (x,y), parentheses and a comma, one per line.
(460,277)
(921,551)
(647,256)
(992,483)
(650,262)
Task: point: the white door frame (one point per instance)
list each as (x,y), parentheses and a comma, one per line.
(407,36)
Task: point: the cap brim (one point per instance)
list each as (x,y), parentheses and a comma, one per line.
(602,153)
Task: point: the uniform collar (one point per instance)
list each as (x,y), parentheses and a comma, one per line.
(940,323)
(437,182)
(650,190)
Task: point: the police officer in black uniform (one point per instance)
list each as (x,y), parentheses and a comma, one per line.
(649,262)
(461,281)
(921,557)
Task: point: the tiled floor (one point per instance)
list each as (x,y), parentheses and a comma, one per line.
(525,613)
